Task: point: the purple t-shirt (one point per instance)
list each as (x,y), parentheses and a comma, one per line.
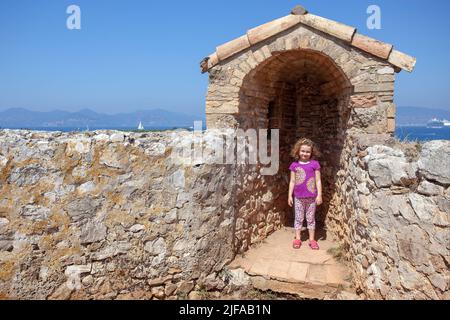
(305,179)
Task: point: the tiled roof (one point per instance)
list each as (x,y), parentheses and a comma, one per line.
(341,31)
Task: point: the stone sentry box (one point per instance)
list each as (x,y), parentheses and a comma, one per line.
(308,77)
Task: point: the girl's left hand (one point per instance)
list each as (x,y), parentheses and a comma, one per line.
(319,201)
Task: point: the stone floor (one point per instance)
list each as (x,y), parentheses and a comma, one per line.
(275,265)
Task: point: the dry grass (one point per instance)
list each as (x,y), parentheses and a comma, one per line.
(337,253)
(411,148)
(205,295)
(255,294)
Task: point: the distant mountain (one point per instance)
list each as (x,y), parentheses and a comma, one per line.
(419,116)
(156,118)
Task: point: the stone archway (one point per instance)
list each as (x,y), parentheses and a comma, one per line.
(303,93)
(309,77)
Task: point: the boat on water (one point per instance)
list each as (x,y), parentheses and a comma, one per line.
(438,123)
(140,126)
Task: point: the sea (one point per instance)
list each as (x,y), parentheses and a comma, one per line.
(404,133)
(422,134)
(81,129)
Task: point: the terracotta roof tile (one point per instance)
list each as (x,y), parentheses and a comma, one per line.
(336,29)
(272,28)
(234,46)
(401,60)
(330,27)
(372,46)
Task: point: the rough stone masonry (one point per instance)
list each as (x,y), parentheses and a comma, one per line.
(107,215)
(312,77)
(110,215)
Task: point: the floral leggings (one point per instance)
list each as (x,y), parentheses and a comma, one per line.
(305,206)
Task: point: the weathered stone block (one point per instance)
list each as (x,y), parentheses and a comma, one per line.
(363,100)
(412,245)
(433,161)
(385,86)
(184,287)
(429,189)
(231,107)
(387,166)
(386,70)
(390,125)
(92,231)
(424,207)
(391,112)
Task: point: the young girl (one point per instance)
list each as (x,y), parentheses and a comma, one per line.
(306,187)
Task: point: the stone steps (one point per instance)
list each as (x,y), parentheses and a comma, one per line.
(275,265)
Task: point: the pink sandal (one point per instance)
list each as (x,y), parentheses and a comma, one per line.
(297,244)
(314,245)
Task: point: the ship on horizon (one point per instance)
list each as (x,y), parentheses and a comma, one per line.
(438,123)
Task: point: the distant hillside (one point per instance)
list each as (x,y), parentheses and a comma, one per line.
(419,116)
(157,118)
(23,118)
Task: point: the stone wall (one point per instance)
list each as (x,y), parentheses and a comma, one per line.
(260,204)
(392,217)
(110,215)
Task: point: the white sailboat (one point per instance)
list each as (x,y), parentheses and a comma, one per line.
(140,127)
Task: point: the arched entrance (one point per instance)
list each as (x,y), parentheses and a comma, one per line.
(309,77)
(303,94)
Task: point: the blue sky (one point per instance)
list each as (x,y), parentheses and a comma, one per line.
(145,54)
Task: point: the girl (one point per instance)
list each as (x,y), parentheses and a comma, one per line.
(306,187)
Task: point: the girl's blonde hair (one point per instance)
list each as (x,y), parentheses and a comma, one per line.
(305,142)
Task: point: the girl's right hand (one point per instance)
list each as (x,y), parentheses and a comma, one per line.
(290,201)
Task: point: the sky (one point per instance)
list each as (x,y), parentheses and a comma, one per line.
(145,54)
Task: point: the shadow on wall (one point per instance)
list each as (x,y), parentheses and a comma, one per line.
(304,95)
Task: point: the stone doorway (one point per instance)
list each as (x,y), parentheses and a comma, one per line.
(303,94)
(309,77)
